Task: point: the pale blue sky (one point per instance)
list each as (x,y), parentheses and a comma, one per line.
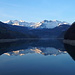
(37,10)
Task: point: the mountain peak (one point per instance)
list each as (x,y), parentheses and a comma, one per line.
(22,21)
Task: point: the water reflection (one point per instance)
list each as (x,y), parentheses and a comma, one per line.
(44,47)
(71,50)
(37,58)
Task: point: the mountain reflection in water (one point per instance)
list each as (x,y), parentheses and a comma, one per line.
(44,47)
(71,50)
(37,57)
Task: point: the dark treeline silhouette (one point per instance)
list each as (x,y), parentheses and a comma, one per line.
(70,33)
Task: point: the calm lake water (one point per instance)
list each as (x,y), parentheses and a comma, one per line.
(39,57)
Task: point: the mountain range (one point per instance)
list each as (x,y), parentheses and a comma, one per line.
(21,29)
(43,24)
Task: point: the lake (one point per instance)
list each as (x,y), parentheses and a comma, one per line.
(37,57)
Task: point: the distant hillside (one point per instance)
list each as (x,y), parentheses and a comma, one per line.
(51,33)
(12,32)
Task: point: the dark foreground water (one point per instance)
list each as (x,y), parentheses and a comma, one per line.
(44,57)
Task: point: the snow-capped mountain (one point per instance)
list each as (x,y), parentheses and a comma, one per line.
(19,23)
(43,24)
(48,24)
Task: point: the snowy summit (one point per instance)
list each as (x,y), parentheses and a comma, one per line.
(43,24)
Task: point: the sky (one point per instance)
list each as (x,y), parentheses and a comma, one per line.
(37,10)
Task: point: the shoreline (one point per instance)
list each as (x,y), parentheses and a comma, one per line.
(17,39)
(21,39)
(70,42)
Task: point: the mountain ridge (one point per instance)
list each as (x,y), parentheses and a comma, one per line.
(43,24)
(8,31)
